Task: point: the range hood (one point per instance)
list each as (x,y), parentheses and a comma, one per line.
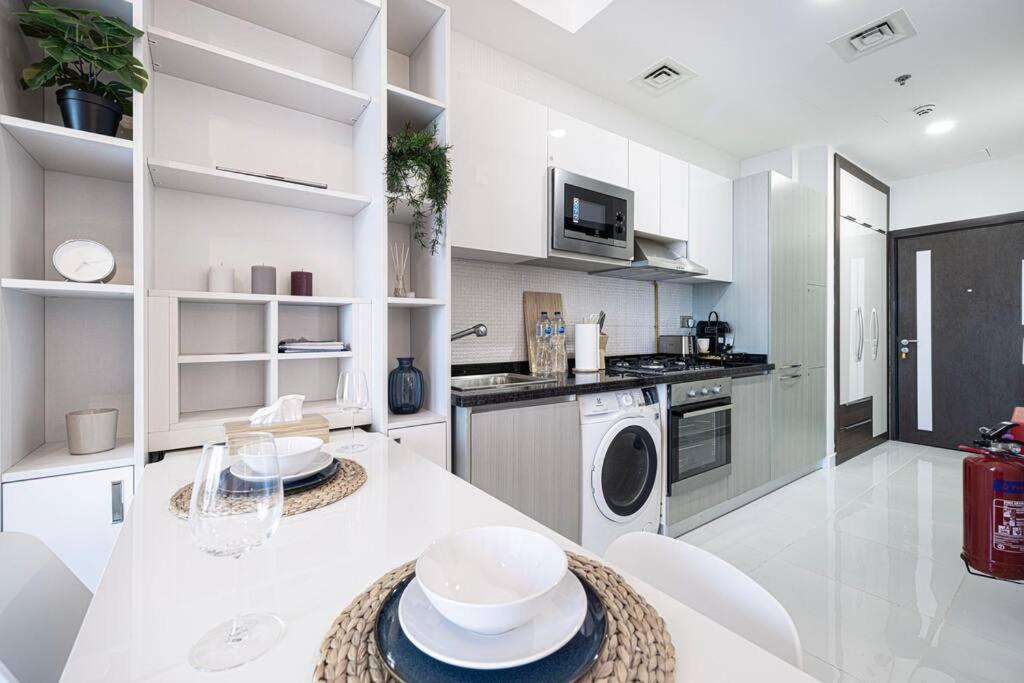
(654,261)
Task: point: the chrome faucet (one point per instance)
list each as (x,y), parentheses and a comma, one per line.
(479,330)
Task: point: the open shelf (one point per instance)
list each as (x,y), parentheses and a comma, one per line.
(230,297)
(407,106)
(313,355)
(53,460)
(413,302)
(68,290)
(223,358)
(191,178)
(210,65)
(56,148)
(335,418)
(423,417)
(335,25)
(409,22)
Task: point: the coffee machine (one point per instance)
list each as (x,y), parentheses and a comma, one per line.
(718,334)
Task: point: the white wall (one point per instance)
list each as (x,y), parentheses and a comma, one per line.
(480,61)
(989,188)
(782,161)
(492,293)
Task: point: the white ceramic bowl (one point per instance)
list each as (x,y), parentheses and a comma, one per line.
(294,453)
(491,579)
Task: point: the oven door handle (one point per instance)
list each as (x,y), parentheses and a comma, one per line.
(708,411)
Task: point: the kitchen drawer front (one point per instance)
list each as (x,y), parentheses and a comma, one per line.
(77,515)
(430,441)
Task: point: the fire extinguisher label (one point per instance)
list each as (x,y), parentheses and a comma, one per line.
(1008,525)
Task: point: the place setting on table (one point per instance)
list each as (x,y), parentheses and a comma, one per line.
(498,603)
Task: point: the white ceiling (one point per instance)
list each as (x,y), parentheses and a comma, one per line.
(767,78)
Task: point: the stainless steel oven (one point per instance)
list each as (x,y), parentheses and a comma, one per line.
(699,430)
(590,217)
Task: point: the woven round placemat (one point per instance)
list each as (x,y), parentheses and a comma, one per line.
(637,645)
(347,481)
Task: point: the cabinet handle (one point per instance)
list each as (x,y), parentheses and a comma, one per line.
(794,365)
(797,375)
(875,329)
(398,439)
(849,218)
(856,425)
(116,502)
(867,225)
(860,338)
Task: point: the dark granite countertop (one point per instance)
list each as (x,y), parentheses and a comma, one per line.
(589,383)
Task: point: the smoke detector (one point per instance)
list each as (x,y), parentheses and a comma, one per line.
(923,109)
(662,76)
(873,37)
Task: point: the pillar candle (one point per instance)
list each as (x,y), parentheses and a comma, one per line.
(264,280)
(302,283)
(221,279)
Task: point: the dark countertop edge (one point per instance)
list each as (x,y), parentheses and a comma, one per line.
(569,385)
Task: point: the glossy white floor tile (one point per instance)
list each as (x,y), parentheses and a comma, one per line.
(866,558)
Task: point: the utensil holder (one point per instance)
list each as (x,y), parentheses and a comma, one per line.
(91,431)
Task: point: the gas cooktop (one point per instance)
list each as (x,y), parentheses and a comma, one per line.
(658,364)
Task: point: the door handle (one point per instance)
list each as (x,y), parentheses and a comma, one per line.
(874,333)
(860,335)
(904,342)
(116,502)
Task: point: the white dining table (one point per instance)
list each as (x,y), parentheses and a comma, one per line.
(159,593)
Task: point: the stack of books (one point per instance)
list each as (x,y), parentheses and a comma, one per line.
(304,345)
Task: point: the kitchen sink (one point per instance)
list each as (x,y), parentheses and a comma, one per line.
(497,380)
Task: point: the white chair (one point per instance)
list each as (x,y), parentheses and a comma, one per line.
(712,586)
(42,605)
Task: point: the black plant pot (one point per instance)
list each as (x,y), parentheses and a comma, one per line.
(85,111)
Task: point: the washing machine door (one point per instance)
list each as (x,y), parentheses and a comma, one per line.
(625,471)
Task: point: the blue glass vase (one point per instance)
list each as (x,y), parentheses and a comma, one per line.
(405,388)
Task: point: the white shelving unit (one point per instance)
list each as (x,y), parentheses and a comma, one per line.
(246,84)
(210,65)
(191,178)
(56,148)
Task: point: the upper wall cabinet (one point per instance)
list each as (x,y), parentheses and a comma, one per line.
(645,181)
(862,203)
(675,198)
(710,235)
(499,205)
(587,150)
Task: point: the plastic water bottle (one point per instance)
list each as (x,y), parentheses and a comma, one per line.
(544,335)
(560,360)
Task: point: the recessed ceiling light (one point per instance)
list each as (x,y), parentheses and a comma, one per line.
(940,127)
(557,133)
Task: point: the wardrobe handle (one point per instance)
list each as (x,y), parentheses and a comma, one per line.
(874,333)
(860,335)
(116,502)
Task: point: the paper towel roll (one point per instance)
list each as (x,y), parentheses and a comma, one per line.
(588,347)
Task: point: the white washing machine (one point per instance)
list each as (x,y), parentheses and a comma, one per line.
(623,465)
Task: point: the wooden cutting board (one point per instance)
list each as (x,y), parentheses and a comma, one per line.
(533,304)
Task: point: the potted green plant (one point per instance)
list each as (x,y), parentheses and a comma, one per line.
(419,174)
(90,56)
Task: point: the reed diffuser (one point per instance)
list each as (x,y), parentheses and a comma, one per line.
(400,260)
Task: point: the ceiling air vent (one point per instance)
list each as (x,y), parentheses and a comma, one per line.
(873,37)
(663,76)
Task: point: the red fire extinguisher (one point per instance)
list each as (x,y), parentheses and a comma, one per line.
(994,501)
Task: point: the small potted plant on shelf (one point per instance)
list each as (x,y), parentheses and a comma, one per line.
(90,56)
(419,175)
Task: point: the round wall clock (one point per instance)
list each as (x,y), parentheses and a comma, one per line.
(81,260)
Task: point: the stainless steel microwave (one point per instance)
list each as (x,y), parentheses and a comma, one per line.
(590,217)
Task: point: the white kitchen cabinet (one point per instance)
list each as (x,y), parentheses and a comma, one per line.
(430,441)
(645,181)
(582,148)
(77,515)
(862,203)
(710,224)
(675,198)
(499,157)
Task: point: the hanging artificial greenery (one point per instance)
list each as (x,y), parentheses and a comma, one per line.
(419,174)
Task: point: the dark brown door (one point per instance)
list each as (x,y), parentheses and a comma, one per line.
(958,305)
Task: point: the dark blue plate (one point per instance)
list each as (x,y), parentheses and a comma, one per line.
(408,663)
(229,483)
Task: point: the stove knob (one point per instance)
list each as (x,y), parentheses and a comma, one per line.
(717,389)
(705,391)
(692,393)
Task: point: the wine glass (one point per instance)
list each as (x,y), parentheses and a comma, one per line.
(352,397)
(237,502)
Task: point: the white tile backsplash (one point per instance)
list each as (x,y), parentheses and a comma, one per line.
(492,293)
